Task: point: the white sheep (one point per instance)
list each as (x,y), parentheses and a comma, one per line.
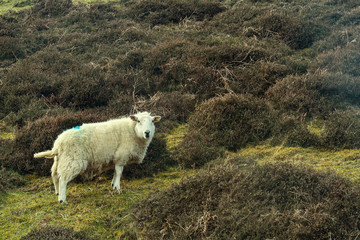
(90,147)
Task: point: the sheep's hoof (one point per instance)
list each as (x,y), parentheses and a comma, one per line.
(118,190)
(112,185)
(61,201)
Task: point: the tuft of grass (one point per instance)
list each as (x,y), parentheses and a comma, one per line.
(344,162)
(176,136)
(7,135)
(92,207)
(15,5)
(316,126)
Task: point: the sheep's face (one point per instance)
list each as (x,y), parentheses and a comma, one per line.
(145,127)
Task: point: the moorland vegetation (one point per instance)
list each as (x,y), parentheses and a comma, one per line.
(228,73)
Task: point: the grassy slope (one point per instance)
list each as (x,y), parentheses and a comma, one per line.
(344,162)
(14,5)
(17,5)
(93,207)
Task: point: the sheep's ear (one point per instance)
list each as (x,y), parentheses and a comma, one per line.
(134,118)
(157,118)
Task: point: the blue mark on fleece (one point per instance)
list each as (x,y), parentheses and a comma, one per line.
(77,127)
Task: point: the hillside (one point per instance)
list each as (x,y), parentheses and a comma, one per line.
(239,85)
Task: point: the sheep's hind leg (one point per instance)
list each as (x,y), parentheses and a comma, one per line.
(117,176)
(71,170)
(55,176)
(55,179)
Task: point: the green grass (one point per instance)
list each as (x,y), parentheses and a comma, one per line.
(14,5)
(92,206)
(344,162)
(7,135)
(17,5)
(176,136)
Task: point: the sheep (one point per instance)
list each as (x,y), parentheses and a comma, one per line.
(88,148)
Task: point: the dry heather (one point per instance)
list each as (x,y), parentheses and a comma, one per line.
(264,202)
(233,120)
(56,233)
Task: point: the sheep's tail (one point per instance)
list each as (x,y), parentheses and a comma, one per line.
(46,154)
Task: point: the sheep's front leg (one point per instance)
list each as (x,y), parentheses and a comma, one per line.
(117,177)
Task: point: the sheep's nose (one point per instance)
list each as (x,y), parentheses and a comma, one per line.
(147,134)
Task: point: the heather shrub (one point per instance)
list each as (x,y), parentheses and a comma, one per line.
(46,8)
(351,18)
(255,79)
(178,65)
(242,68)
(169,11)
(292,130)
(49,232)
(341,129)
(174,106)
(195,150)
(348,3)
(281,201)
(5,148)
(339,90)
(22,86)
(340,60)
(10,49)
(296,33)
(34,110)
(120,104)
(294,94)
(233,120)
(336,75)
(85,88)
(231,55)
(10,179)
(53,78)
(35,78)
(14,41)
(40,135)
(232,21)
(339,38)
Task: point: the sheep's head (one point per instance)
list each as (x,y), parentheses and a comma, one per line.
(145,127)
